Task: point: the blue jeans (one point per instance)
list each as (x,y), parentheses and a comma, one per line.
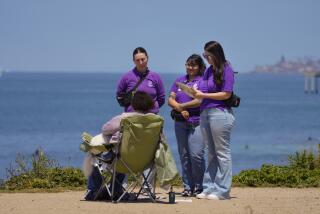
(216,126)
(191,152)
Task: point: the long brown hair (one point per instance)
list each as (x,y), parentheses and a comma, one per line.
(217,54)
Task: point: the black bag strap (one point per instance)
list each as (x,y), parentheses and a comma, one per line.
(138,83)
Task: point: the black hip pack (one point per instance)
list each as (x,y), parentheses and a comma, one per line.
(177,116)
(233,101)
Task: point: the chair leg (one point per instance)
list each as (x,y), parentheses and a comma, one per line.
(149,191)
(154,184)
(113,179)
(146,186)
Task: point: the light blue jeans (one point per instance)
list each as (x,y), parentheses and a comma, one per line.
(191,152)
(216,126)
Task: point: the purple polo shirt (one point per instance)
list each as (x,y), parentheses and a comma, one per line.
(207,85)
(152,85)
(183,97)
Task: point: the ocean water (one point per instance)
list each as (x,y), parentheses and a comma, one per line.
(51,110)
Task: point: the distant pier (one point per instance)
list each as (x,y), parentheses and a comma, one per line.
(311,82)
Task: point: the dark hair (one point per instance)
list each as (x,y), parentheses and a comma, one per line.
(216,50)
(142,102)
(139,50)
(195,59)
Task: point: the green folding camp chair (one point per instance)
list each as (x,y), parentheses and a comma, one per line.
(139,140)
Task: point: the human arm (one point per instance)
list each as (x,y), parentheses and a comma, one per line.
(173,96)
(223,95)
(122,85)
(181,106)
(191,104)
(224,92)
(177,106)
(173,103)
(160,92)
(112,126)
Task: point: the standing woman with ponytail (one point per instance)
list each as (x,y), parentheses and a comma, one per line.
(216,122)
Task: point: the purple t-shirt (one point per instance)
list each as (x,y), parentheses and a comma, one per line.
(152,85)
(183,97)
(207,85)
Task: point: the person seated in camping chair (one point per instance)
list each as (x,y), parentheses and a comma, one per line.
(101,146)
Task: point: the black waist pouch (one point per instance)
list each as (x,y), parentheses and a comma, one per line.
(177,116)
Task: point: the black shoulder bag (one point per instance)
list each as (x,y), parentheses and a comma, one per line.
(233,101)
(124,98)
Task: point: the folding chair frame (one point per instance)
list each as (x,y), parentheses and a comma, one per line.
(144,184)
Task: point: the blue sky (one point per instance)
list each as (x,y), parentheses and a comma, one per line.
(100,35)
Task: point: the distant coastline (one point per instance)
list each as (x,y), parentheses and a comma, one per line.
(306,64)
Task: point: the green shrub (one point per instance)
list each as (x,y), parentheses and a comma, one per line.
(248,178)
(303,171)
(40,172)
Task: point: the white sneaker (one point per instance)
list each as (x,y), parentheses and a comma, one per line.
(213,197)
(201,195)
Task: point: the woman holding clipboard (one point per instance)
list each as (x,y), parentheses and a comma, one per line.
(216,122)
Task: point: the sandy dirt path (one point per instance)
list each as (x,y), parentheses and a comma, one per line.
(244,200)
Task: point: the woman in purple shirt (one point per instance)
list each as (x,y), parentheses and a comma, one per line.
(187,130)
(151,84)
(216,122)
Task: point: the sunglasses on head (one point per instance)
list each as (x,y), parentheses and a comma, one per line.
(207,55)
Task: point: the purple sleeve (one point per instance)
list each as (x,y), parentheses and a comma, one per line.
(202,86)
(160,92)
(174,87)
(228,79)
(122,85)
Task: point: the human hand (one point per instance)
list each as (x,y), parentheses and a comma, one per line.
(185,114)
(198,94)
(178,108)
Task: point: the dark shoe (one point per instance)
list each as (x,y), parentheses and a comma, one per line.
(186,193)
(103,195)
(93,195)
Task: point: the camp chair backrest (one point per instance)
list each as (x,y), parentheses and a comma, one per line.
(139,142)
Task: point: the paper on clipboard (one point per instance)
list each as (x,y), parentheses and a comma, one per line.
(186,89)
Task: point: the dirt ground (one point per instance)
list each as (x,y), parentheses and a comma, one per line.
(244,200)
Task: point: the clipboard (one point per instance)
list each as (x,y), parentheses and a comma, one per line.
(186,89)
